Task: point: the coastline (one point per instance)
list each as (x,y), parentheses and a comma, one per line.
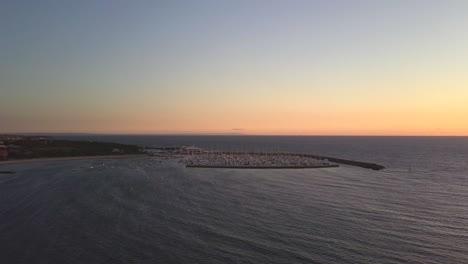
(72,158)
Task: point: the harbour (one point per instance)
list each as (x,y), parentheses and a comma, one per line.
(195,157)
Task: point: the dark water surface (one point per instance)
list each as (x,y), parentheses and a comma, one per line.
(148,211)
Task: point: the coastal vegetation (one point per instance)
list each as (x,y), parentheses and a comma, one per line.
(26,147)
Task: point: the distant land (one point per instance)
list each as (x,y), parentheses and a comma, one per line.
(18,147)
(51,134)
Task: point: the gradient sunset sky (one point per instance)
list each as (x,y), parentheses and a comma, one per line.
(254,67)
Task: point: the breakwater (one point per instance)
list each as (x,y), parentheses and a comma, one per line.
(361,164)
(303,162)
(366,165)
(263,167)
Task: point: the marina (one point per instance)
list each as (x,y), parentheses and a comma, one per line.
(199,158)
(254,160)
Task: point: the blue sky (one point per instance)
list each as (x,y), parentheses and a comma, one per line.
(279,67)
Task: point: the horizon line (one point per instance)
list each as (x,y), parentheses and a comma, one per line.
(220,134)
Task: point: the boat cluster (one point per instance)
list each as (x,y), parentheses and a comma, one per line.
(252,160)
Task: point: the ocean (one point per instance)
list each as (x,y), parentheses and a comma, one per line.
(150,211)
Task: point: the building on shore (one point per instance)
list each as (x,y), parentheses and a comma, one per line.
(118,151)
(192,150)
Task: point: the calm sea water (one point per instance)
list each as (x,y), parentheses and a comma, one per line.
(148,211)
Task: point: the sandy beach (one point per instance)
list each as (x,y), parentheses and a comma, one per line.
(73,158)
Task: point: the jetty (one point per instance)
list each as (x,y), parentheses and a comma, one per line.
(361,164)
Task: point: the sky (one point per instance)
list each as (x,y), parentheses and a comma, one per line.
(252,67)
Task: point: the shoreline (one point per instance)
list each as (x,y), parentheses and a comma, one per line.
(4,162)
